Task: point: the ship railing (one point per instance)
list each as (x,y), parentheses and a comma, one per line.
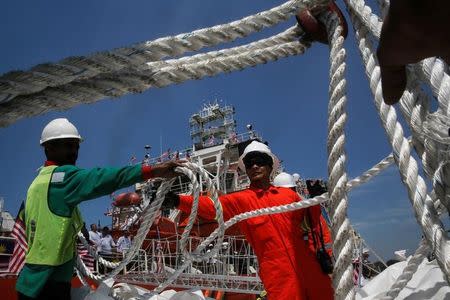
(243,137)
(181,188)
(170,155)
(234,268)
(232,139)
(138,263)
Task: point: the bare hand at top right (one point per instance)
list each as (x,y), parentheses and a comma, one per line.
(412,30)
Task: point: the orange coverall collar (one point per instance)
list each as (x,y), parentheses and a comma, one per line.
(271,189)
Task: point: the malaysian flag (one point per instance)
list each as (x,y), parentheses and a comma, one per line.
(87,259)
(20,249)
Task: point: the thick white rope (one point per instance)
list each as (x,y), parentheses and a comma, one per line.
(372,172)
(423,205)
(417,114)
(430,132)
(433,72)
(430,70)
(85,270)
(92,90)
(408,271)
(415,103)
(191,171)
(70,69)
(337,176)
(441,184)
(289,35)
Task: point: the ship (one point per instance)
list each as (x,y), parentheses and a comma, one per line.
(232,274)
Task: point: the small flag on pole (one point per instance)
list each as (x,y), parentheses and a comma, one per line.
(18,257)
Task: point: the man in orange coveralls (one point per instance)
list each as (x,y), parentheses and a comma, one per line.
(320,236)
(288,269)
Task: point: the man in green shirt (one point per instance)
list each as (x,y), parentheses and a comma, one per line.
(52,218)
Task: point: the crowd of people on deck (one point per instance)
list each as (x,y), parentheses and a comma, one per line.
(105,244)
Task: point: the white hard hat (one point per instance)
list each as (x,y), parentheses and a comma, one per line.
(296,176)
(366,250)
(59,129)
(284,180)
(256,146)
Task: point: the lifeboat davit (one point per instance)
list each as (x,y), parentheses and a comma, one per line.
(127,199)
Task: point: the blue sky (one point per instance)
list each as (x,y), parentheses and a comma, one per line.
(286,101)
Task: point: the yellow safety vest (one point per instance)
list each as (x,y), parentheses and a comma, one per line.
(51,238)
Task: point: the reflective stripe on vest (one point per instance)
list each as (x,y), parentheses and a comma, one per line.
(51,238)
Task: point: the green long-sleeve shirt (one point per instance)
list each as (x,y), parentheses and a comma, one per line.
(69,187)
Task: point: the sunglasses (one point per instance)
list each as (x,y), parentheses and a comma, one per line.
(260,161)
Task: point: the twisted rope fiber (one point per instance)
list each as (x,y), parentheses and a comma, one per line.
(289,35)
(430,70)
(408,271)
(414,105)
(210,187)
(427,147)
(85,270)
(120,83)
(410,268)
(74,93)
(426,133)
(342,247)
(180,73)
(423,205)
(372,172)
(436,158)
(414,111)
(73,68)
(441,184)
